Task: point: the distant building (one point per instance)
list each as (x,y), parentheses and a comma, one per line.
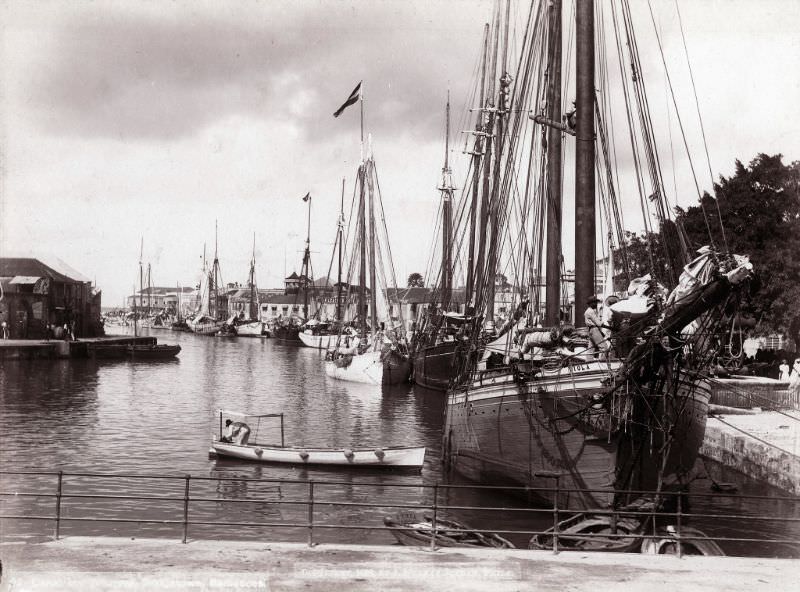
(35,294)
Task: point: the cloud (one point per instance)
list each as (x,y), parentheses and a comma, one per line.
(127,73)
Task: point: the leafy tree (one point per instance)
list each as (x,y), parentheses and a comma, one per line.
(415,280)
(759,206)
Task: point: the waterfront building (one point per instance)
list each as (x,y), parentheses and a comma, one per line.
(35,294)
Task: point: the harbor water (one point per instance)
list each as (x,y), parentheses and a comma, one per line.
(157,418)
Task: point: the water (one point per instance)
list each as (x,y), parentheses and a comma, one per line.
(156,418)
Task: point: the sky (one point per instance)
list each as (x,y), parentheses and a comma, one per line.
(125,123)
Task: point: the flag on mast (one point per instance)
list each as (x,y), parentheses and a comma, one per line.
(354,96)
(307,196)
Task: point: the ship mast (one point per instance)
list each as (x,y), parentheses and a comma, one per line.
(477,153)
(584,158)
(340,236)
(362,239)
(252,282)
(553,263)
(494,214)
(306,258)
(447,214)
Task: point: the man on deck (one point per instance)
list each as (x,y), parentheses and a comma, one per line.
(594,324)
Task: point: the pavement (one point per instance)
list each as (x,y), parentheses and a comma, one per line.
(89,564)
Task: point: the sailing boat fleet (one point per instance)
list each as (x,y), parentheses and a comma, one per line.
(588,417)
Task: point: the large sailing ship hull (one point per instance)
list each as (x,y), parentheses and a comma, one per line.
(546,434)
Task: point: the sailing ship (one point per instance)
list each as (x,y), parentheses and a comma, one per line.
(380,354)
(250,326)
(286,331)
(209,317)
(545,407)
(321,334)
(438,344)
(134,351)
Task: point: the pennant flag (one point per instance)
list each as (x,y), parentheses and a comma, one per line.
(307,196)
(354,96)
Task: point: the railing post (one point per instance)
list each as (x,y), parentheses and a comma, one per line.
(435,512)
(678,528)
(186,508)
(58,503)
(282,440)
(555,518)
(310,513)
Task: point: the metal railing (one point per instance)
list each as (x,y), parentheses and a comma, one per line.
(653,520)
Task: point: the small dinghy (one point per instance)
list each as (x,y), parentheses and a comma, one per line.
(153,352)
(591,532)
(410,529)
(240,439)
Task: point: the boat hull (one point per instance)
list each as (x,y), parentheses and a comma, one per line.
(372,367)
(287,335)
(407,457)
(410,529)
(436,365)
(254,329)
(153,352)
(209,328)
(318,341)
(544,434)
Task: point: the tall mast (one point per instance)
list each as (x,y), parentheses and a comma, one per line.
(480,264)
(494,213)
(216,274)
(476,171)
(373,288)
(149,291)
(252,281)
(306,257)
(553,263)
(339,238)
(141,282)
(362,274)
(447,215)
(584,158)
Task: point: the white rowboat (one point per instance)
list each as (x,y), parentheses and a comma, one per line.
(364,457)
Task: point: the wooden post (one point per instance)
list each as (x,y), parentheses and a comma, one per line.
(555,518)
(58,503)
(186,508)
(435,511)
(310,513)
(678,528)
(282,441)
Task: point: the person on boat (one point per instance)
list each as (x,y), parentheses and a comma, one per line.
(236,432)
(594,324)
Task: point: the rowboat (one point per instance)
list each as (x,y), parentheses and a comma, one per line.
(243,439)
(410,529)
(409,457)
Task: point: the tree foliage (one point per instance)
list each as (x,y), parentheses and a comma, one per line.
(760,209)
(415,280)
(759,206)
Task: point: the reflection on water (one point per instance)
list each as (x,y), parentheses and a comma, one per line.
(156,418)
